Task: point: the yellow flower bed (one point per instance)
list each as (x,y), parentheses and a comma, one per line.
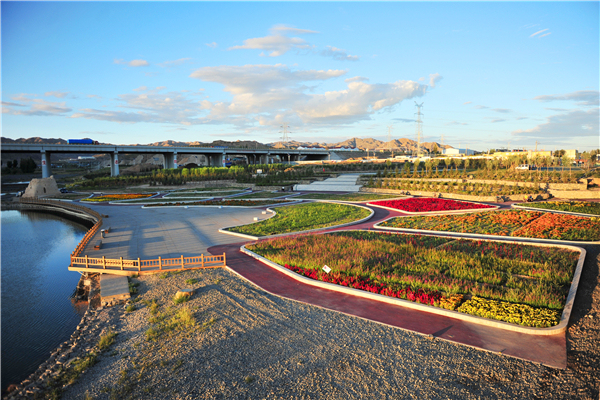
(113,197)
(452,302)
(508,312)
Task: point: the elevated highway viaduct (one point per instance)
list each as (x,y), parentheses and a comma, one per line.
(214,155)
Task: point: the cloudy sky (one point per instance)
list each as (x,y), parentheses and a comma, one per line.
(489,75)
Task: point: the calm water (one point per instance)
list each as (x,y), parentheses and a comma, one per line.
(37,310)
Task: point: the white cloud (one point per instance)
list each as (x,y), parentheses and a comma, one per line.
(434,78)
(132,63)
(277,43)
(140,89)
(479,107)
(501,110)
(37,107)
(467,102)
(269,93)
(60,95)
(285,28)
(583,97)
(538,32)
(498,120)
(338,54)
(455,123)
(94,96)
(356,79)
(575,123)
(174,63)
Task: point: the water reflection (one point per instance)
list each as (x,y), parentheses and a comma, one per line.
(38,312)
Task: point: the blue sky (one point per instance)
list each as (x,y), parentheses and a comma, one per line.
(489,74)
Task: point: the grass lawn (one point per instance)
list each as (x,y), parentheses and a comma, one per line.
(303,217)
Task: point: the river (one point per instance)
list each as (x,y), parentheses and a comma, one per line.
(38,312)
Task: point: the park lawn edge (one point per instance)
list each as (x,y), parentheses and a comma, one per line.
(554,330)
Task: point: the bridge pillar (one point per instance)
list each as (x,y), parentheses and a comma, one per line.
(114,164)
(169,158)
(46,164)
(175,160)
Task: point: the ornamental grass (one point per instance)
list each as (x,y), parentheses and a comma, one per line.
(437,271)
(515,223)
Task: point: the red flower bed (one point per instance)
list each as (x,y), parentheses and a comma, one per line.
(419,296)
(427,204)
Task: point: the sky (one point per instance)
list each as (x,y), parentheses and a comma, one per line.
(487,74)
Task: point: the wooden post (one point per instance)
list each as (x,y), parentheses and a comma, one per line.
(224,260)
(182,261)
(139,264)
(159,264)
(202,259)
(104,262)
(121,263)
(86,261)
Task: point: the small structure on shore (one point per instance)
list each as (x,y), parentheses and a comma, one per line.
(42,187)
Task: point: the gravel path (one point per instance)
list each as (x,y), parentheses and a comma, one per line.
(249,344)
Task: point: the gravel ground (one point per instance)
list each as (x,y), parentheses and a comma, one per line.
(249,344)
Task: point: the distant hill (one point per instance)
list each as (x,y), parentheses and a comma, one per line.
(405,145)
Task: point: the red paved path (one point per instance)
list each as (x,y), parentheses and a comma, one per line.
(547,350)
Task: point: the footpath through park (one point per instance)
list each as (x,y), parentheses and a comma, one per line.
(176,231)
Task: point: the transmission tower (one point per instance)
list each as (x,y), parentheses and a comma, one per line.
(284,138)
(390,127)
(419,127)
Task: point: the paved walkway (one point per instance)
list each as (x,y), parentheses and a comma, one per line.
(171,232)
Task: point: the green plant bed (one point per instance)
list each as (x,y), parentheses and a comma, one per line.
(443,270)
(516,223)
(204,194)
(303,217)
(348,196)
(582,207)
(262,195)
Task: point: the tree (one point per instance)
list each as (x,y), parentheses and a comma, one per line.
(435,149)
(28,165)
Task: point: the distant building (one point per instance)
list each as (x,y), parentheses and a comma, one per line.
(451,151)
(344,148)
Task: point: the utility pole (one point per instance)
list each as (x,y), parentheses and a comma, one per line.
(390,127)
(442,144)
(284,138)
(419,127)
(536,143)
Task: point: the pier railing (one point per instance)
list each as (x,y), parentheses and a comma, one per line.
(120,266)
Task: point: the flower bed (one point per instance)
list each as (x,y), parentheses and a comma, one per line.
(432,270)
(428,204)
(582,207)
(303,217)
(516,223)
(115,197)
(236,203)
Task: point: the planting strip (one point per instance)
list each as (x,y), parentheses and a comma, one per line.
(221,206)
(560,328)
(520,207)
(242,235)
(477,235)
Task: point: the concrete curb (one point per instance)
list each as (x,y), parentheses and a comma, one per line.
(223,230)
(520,207)
(477,235)
(221,206)
(560,328)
